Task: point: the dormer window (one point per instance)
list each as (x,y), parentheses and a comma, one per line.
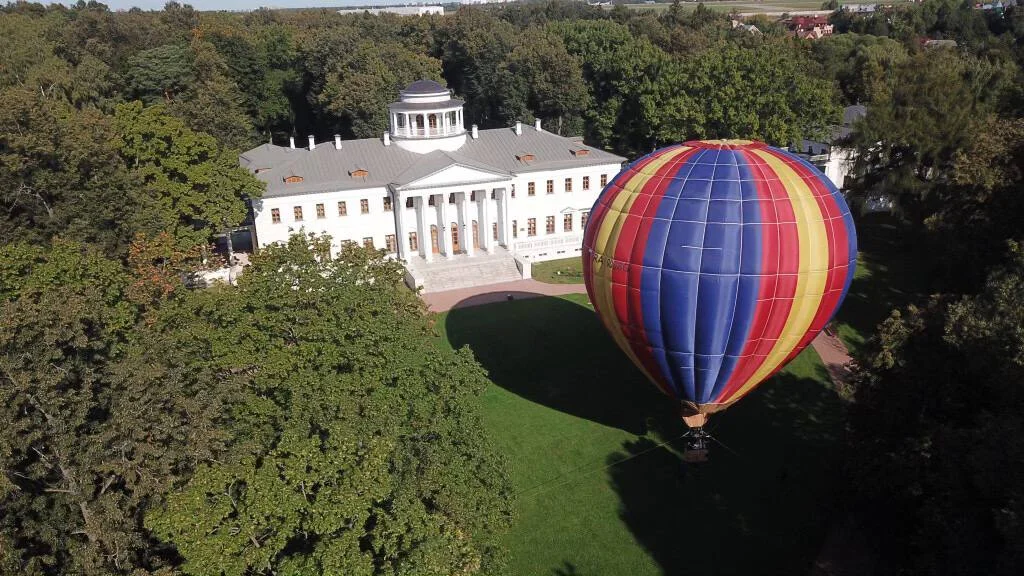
(359,173)
(526,157)
(292,179)
(580,152)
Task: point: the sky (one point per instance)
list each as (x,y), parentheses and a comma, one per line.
(244,4)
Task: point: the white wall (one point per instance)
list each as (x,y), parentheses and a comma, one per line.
(561,244)
(354,226)
(379,223)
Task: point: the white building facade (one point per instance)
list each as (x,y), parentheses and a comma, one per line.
(429,191)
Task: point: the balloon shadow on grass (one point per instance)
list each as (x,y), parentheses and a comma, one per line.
(764,502)
(555,352)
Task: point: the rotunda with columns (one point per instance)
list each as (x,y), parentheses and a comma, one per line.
(426,118)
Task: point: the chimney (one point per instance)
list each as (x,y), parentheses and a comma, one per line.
(312,144)
(519,128)
(476,132)
(387,139)
(291,142)
(337,141)
(536,125)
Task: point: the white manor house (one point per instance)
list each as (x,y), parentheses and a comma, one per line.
(458,208)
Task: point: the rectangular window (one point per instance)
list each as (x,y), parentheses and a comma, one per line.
(389,241)
(298,213)
(531,227)
(430,201)
(551,186)
(568,184)
(368,242)
(364,206)
(451,198)
(515,229)
(387,203)
(414,242)
(549,225)
(567,223)
(586,182)
(342,209)
(275,215)
(494,231)
(604,180)
(409,202)
(583,220)
(531,189)
(320,213)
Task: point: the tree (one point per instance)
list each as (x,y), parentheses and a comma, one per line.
(192,188)
(359,87)
(552,80)
(925,112)
(99,419)
(213,103)
(161,74)
(358,447)
(938,461)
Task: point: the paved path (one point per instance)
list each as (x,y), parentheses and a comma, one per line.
(517,289)
(835,356)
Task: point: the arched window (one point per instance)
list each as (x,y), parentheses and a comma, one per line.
(432,119)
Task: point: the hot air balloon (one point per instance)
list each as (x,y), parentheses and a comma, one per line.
(714,263)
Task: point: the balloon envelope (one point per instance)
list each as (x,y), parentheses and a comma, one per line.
(714,263)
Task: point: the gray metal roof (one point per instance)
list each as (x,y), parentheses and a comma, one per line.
(325,169)
(424,87)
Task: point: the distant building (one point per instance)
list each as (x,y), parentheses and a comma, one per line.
(833,157)
(859,8)
(399,10)
(457,207)
(736,24)
(810,27)
(932,44)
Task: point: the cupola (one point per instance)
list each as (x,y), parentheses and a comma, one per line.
(427,118)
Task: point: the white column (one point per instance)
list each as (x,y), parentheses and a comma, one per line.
(398,207)
(444,230)
(500,194)
(423,228)
(505,208)
(466,223)
(485,221)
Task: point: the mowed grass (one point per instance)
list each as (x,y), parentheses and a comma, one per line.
(563,271)
(888,276)
(595,457)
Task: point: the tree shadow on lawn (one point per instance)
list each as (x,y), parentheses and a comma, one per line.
(762,504)
(556,353)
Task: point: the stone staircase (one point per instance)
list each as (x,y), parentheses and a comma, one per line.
(463,271)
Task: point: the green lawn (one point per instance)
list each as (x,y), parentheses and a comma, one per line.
(564,271)
(888,276)
(596,496)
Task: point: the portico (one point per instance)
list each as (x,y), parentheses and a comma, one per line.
(452,220)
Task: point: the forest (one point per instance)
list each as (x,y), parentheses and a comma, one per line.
(306,421)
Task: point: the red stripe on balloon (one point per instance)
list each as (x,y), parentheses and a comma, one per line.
(630,313)
(596,219)
(780,264)
(838,253)
(644,213)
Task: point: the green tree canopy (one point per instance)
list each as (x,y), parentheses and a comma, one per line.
(358,447)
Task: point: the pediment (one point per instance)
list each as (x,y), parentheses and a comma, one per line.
(443,170)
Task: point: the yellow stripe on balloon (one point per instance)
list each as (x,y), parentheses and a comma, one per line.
(608,238)
(813,272)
